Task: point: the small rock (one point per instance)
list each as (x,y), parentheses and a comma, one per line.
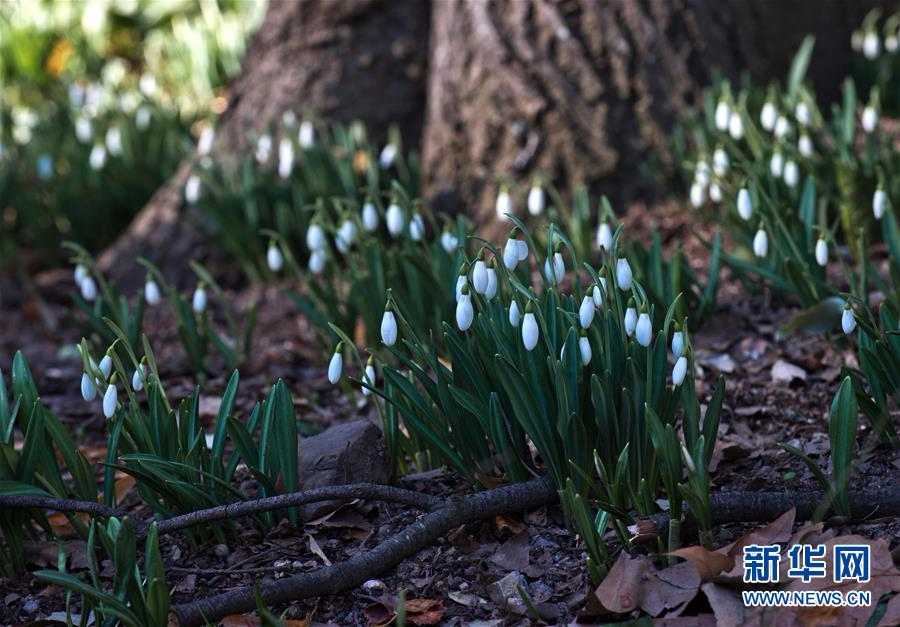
(373,585)
(784,372)
(505,592)
(30,606)
(222,551)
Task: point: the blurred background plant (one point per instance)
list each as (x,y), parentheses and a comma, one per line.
(99,97)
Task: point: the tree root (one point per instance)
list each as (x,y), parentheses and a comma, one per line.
(353,572)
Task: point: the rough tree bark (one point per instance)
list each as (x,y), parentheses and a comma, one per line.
(577,90)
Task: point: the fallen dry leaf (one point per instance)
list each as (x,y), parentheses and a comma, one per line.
(708,563)
(424,611)
(784,372)
(379,614)
(670,590)
(620,591)
(505,523)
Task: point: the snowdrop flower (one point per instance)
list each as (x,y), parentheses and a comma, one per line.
(604,236)
(81,272)
(597,293)
(871,45)
(891,43)
(263,148)
(388,156)
(274,258)
(492,283)
(715,192)
(346,235)
(315,237)
(83,130)
(744,204)
(768,116)
(307,135)
(151,292)
(461,280)
(198,301)
(804,145)
(803,114)
(336,365)
(736,126)
(114,141)
(317,261)
(395,220)
(369,376)
(192,189)
(514,315)
(721,162)
(416,228)
(701,173)
(631,318)
(97,158)
(511,252)
(530,331)
(449,242)
(504,204)
(879,201)
(369,217)
(586,312)
(88,389)
(142,118)
(624,275)
(110,399)
(584,349)
(791,173)
(106,366)
(643,330)
(285,157)
(782,126)
(722,115)
(137,379)
(869,119)
(464,311)
(88,289)
(479,274)
(848,320)
(761,243)
(204,144)
(678,341)
(822,252)
(679,371)
(856,41)
(389,326)
(697,194)
(536,199)
(555,273)
(776,163)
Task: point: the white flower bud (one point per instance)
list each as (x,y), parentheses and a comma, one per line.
(198,302)
(715,192)
(736,126)
(848,320)
(761,243)
(83,130)
(88,389)
(389,328)
(871,45)
(744,204)
(804,145)
(722,115)
(530,332)
(879,202)
(791,173)
(114,141)
(345,236)
(395,220)
(449,242)
(679,371)
(204,144)
(388,156)
(492,284)
(479,276)
(767,116)
(97,158)
(416,228)
(721,162)
(597,293)
(701,173)
(776,163)
(137,379)
(514,315)
(511,254)
(822,252)
(586,312)
(110,400)
(274,258)
(335,366)
(504,204)
(88,289)
(151,292)
(369,217)
(317,261)
(643,331)
(555,273)
(263,148)
(106,366)
(81,272)
(523,249)
(623,274)
(285,157)
(891,43)
(461,281)
(368,378)
(604,236)
(678,343)
(584,348)
(869,119)
(697,195)
(465,314)
(803,114)
(536,200)
(315,237)
(307,135)
(631,318)
(782,127)
(192,189)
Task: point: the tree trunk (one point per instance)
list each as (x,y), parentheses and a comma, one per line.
(579,91)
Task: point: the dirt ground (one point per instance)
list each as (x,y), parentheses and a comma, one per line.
(456,576)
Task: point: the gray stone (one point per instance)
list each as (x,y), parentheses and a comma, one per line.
(505,592)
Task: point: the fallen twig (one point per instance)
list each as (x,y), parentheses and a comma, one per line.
(353,572)
(24,501)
